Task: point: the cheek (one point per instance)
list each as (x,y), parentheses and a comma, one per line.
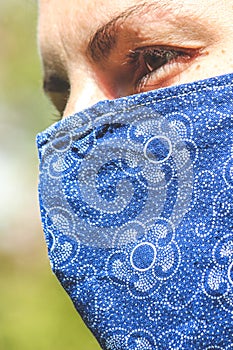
(215,62)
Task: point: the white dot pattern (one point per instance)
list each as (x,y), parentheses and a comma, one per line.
(136,199)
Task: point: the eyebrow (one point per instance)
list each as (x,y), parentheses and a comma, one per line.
(105,38)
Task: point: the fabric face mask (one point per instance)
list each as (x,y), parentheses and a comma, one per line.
(136,199)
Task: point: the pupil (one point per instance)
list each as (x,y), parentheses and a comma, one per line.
(155,60)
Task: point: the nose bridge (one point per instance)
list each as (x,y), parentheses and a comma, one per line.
(83,94)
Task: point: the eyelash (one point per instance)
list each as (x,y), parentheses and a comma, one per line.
(58,90)
(167,61)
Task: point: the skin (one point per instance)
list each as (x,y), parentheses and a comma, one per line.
(94,49)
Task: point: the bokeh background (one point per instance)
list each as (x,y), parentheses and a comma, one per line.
(35,312)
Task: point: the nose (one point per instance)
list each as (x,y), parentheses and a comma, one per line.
(83,95)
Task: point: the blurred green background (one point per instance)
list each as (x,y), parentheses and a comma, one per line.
(35,312)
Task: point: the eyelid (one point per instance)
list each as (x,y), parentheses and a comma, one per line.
(57,90)
(161,77)
(134,55)
(179,60)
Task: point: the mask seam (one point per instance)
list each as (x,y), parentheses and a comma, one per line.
(129,108)
(161,100)
(172,97)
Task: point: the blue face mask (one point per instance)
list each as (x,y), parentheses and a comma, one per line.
(136,198)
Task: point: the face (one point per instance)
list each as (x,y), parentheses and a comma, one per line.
(95,49)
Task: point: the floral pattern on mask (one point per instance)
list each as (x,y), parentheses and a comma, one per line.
(136,205)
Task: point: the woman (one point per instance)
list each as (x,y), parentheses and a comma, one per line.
(136,191)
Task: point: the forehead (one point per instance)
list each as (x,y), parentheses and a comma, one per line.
(60,24)
(64,31)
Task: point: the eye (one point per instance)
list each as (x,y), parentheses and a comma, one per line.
(58,91)
(156,67)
